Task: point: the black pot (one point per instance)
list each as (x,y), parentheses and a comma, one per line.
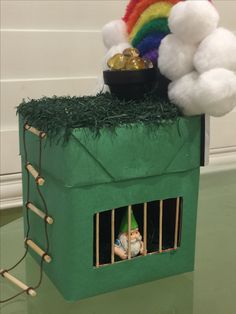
(131,84)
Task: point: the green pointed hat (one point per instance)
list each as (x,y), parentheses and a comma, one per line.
(124,222)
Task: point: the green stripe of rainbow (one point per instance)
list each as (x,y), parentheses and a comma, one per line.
(159,25)
(140,12)
(156,10)
(136,7)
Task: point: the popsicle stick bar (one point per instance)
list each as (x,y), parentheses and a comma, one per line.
(160,226)
(145,229)
(35,131)
(113,236)
(177,223)
(18,283)
(40,213)
(39,180)
(129,231)
(38,250)
(97,240)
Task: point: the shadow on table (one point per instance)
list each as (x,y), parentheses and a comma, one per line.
(167,296)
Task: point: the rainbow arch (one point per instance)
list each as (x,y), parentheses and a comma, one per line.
(139,7)
(147,24)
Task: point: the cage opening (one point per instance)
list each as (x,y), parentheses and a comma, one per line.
(158,222)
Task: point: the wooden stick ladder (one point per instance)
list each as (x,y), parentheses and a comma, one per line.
(40,213)
(35,131)
(18,283)
(38,250)
(30,206)
(38,179)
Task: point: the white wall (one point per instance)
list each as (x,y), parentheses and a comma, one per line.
(48,48)
(223,130)
(55,47)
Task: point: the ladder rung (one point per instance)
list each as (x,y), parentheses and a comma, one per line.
(35,131)
(38,250)
(40,213)
(18,283)
(35,174)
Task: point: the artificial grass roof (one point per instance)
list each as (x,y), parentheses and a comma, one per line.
(58,116)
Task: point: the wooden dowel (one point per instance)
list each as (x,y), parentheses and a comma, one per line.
(38,250)
(35,174)
(160,226)
(35,131)
(40,213)
(145,229)
(18,283)
(129,231)
(97,240)
(177,223)
(113,236)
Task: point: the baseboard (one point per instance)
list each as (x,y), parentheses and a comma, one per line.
(223,159)
(11,191)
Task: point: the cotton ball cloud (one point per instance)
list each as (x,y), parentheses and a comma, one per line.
(218,50)
(216,92)
(192,21)
(181,93)
(175,57)
(213,92)
(114,50)
(114,33)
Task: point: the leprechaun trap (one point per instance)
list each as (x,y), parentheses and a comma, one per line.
(87,191)
(110,182)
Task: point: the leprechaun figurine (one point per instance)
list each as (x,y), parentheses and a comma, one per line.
(136,243)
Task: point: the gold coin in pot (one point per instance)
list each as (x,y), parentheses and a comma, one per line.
(131,52)
(148,63)
(135,63)
(117,62)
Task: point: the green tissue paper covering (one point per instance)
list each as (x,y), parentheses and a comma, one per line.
(90,174)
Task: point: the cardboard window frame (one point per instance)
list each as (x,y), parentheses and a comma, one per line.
(111,216)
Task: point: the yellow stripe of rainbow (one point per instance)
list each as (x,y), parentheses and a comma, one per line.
(157,10)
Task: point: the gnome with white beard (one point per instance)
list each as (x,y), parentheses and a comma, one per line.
(136,243)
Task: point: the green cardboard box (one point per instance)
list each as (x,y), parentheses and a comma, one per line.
(90,175)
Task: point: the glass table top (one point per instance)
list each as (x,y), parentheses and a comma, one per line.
(210,289)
